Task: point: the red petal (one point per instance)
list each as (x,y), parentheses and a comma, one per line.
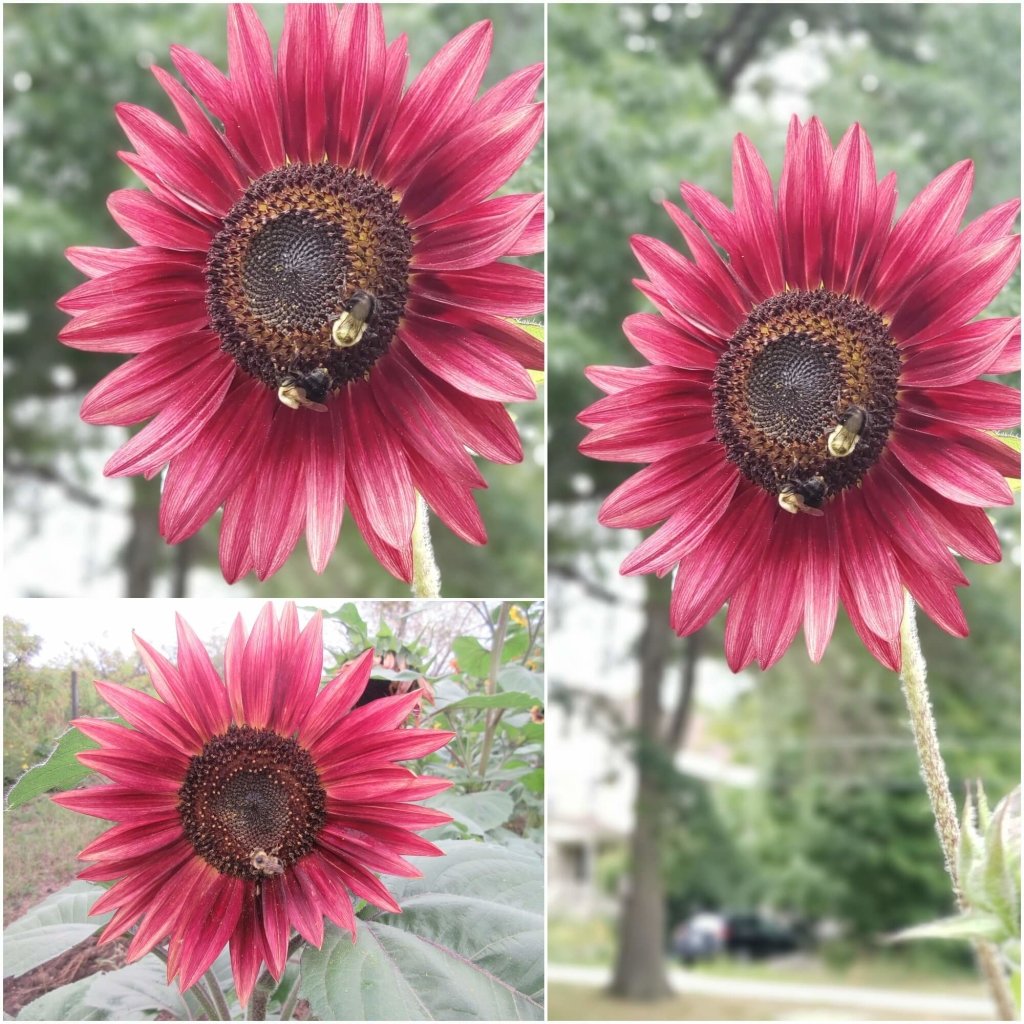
(201,478)
(472,165)
(437,100)
(254,87)
(377,469)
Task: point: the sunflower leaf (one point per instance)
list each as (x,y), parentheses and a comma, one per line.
(136,992)
(515,701)
(468,945)
(973,925)
(64,1003)
(60,771)
(474,659)
(477,813)
(52,927)
(518,677)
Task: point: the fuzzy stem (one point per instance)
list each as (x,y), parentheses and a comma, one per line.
(936,781)
(218,996)
(293,997)
(198,990)
(426,577)
(261,996)
(933,768)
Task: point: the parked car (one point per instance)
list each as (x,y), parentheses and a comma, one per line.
(701,937)
(746,936)
(754,937)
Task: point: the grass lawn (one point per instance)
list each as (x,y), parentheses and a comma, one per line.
(592,944)
(41,843)
(572,1002)
(869,971)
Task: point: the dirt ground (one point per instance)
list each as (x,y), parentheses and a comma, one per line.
(78,962)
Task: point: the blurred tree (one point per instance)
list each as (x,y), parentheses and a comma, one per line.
(65,69)
(647,94)
(20,647)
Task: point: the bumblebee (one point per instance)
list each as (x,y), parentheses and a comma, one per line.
(358,310)
(803,496)
(305,390)
(266,863)
(844,438)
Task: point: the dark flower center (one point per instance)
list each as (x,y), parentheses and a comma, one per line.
(802,366)
(293,252)
(252,802)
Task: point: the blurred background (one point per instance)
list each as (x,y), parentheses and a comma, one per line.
(68,530)
(792,827)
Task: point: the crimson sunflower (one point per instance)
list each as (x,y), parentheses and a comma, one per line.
(813,413)
(254,804)
(316,305)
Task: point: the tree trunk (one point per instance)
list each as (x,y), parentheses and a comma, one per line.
(141,550)
(640,972)
(182,565)
(676,734)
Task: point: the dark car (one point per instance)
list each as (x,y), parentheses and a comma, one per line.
(745,936)
(753,937)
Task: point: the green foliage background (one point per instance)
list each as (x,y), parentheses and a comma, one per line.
(647,95)
(65,67)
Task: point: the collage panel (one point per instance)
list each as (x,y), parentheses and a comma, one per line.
(274,300)
(319,281)
(366,849)
(351,348)
(785,343)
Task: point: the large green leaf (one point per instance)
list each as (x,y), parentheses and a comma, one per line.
(138,991)
(349,614)
(60,771)
(469,945)
(516,701)
(474,659)
(518,677)
(477,812)
(51,928)
(515,645)
(64,1003)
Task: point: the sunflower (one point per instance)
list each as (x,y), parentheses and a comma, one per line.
(812,415)
(317,305)
(252,805)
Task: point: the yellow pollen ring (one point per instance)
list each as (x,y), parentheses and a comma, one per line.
(841,442)
(347,331)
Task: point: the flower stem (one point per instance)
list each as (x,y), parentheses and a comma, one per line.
(198,990)
(933,768)
(426,577)
(936,781)
(218,996)
(491,685)
(265,984)
(293,997)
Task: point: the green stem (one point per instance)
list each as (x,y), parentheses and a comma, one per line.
(929,756)
(936,781)
(257,1009)
(198,990)
(491,685)
(426,577)
(218,996)
(293,997)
